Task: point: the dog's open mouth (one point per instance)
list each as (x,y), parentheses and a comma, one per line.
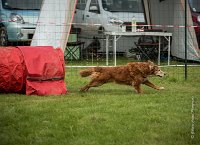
(160,74)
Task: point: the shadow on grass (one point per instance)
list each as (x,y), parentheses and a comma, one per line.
(115,91)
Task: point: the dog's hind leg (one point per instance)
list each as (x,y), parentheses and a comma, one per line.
(148,83)
(137,87)
(91,84)
(98,79)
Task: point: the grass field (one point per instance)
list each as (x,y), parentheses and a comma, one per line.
(108,115)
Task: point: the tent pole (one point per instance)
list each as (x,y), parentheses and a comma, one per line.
(185,39)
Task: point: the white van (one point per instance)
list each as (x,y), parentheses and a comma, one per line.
(96,16)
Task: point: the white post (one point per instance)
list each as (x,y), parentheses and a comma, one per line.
(169,49)
(107,46)
(114,50)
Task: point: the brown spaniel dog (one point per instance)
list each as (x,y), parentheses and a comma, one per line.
(133,74)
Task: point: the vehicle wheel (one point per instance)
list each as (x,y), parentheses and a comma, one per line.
(3,37)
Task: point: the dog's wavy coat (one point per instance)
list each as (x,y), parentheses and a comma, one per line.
(133,74)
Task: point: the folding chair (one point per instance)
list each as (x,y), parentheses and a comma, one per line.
(73,47)
(147,47)
(73,50)
(91,51)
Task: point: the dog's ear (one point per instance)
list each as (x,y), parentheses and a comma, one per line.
(150,61)
(151,64)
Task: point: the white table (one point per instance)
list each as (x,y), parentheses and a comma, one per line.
(117,35)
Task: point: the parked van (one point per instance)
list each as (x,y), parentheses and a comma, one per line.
(18,20)
(108,15)
(195,9)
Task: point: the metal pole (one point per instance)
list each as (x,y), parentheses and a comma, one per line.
(159,51)
(107,47)
(185,39)
(169,49)
(114,50)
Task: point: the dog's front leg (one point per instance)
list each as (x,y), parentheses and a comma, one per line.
(148,83)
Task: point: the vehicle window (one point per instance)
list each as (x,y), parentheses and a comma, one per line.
(22,4)
(123,6)
(195,5)
(94,6)
(81,4)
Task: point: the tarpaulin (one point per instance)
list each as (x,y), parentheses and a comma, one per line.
(45,70)
(54,23)
(38,70)
(12,70)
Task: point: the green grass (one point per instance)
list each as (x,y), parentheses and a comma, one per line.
(108,115)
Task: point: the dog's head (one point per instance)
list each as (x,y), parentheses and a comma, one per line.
(155,70)
(145,69)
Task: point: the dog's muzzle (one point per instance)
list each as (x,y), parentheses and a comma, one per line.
(160,73)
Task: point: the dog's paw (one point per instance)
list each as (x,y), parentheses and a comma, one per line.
(82,90)
(161,88)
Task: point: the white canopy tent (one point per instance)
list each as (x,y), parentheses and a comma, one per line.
(54,23)
(170,16)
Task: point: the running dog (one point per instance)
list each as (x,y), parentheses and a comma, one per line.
(133,74)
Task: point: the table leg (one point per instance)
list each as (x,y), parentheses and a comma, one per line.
(114,50)
(107,46)
(159,52)
(169,49)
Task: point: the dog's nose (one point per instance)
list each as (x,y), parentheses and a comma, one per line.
(165,73)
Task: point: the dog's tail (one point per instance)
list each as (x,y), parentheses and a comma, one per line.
(88,72)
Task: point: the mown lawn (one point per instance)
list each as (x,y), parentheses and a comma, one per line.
(108,115)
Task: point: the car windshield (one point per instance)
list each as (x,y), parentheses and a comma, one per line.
(123,6)
(195,5)
(22,4)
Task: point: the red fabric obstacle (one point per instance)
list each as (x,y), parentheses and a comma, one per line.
(41,73)
(12,70)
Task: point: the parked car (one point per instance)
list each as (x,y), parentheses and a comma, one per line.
(18,20)
(108,15)
(195,9)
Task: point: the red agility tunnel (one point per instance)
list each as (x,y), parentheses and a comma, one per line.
(35,70)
